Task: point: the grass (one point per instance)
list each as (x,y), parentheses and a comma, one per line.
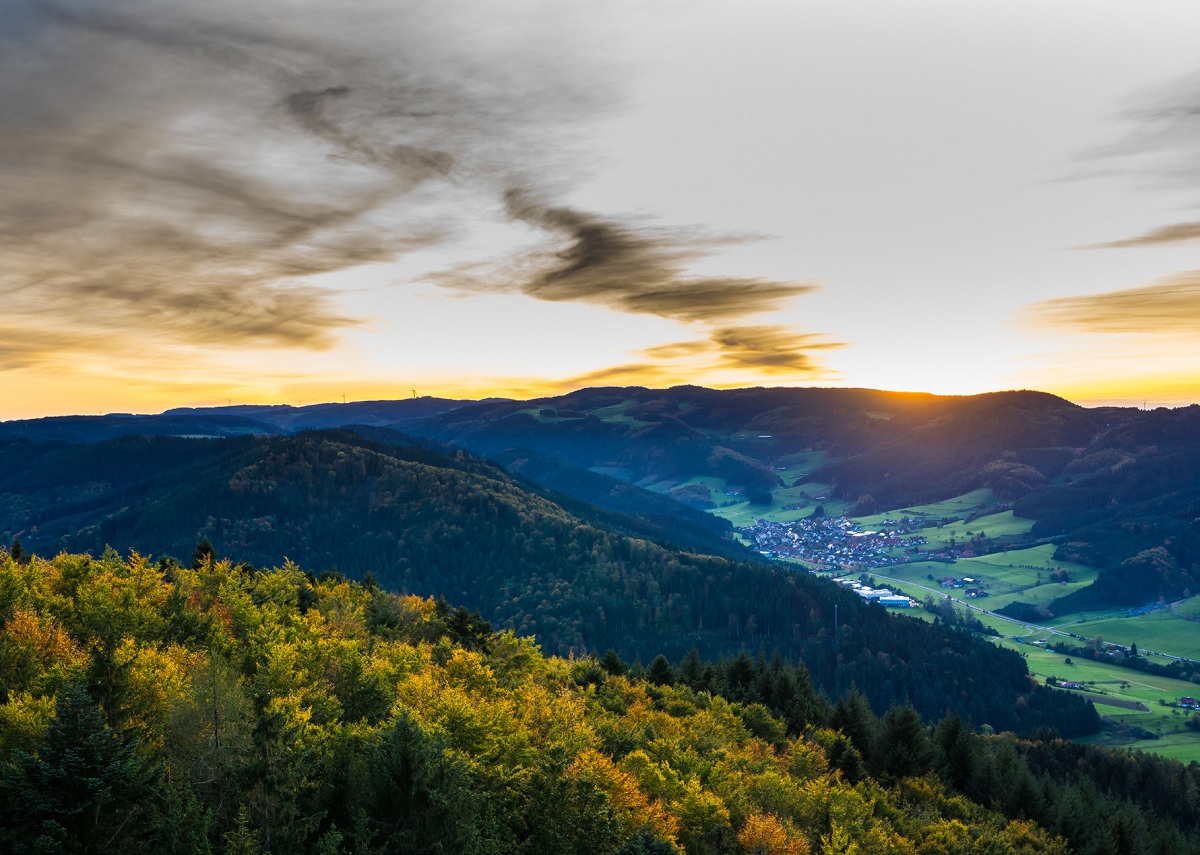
(1161,631)
(616,413)
(1118,683)
(958,506)
(809,495)
(1106,681)
(1190,608)
(1003,524)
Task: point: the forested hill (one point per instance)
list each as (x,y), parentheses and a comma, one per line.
(221,709)
(1116,488)
(428,523)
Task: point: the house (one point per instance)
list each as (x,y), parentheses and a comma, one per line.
(1188,702)
(1070,684)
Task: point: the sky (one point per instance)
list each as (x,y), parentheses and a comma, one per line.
(298,201)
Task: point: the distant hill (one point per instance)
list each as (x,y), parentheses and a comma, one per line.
(1012,442)
(290,419)
(653,435)
(1110,485)
(1129,503)
(84,429)
(422,521)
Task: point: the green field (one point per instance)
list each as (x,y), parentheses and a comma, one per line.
(1190,608)
(1020,574)
(793,466)
(1003,524)
(1110,682)
(1104,682)
(810,495)
(958,506)
(1162,631)
(1124,696)
(615,413)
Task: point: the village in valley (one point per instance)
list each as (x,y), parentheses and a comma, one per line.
(838,543)
(831,543)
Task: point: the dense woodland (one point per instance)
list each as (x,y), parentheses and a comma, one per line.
(149,706)
(422,522)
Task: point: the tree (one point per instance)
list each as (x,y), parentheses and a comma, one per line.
(661,673)
(81,789)
(612,663)
(421,795)
(853,717)
(903,747)
(203,554)
(956,752)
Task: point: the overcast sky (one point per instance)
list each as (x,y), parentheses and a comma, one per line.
(298,201)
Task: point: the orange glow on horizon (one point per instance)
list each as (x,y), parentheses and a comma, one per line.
(30,394)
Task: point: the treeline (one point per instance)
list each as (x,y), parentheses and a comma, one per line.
(1100,800)
(149,708)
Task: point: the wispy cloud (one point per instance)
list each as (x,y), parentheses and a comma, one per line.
(631,268)
(1178,233)
(180,173)
(1159,149)
(182,168)
(770,349)
(1168,307)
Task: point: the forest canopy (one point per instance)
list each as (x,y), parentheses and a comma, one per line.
(149,706)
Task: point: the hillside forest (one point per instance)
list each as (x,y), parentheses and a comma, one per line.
(151,706)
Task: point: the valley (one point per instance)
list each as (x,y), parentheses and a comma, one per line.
(905,491)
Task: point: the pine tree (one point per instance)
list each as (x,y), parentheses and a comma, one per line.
(661,673)
(903,747)
(80,790)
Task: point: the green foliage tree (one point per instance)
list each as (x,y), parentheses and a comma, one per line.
(902,745)
(81,790)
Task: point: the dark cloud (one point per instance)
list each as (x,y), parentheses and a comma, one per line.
(637,270)
(1169,307)
(1178,233)
(769,349)
(179,169)
(640,270)
(632,374)
(1160,149)
(763,349)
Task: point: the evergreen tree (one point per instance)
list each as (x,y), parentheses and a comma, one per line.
(203,554)
(612,663)
(853,717)
(661,673)
(957,753)
(81,790)
(902,748)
